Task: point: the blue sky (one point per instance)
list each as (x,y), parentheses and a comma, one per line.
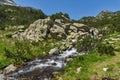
(76,9)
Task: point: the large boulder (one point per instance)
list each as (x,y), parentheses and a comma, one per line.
(54,51)
(58,32)
(48,28)
(9,69)
(38,30)
(81,27)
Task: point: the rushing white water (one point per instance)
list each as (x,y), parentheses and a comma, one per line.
(51,64)
(1,76)
(68,53)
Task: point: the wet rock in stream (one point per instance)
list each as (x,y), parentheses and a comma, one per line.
(42,69)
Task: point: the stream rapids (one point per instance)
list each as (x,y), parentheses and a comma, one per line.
(41,69)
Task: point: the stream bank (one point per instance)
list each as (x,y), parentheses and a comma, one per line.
(42,69)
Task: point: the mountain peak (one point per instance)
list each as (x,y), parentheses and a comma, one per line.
(104,13)
(7,2)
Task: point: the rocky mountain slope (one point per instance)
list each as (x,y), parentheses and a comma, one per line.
(105,14)
(13,16)
(8,2)
(45,33)
(58,29)
(106,20)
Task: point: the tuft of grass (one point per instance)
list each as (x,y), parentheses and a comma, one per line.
(13,51)
(92,63)
(86,63)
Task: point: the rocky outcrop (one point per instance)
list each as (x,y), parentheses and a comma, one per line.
(105,14)
(57,29)
(8,2)
(54,51)
(9,69)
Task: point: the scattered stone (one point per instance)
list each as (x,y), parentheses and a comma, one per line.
(44,52)
(37,69)
(21,27)
(70,47)
(54,51)
(9,69)
(83,53)
(60,78)
(78,69)
(47,28)
(105,69)
(68,59)
(94,77)
(1,36)
(54,64)
(1,71)
(107,78)
(24,79)
(74,40)
(94,32)
(111,42)
(58,32)
(63,48)
(54,73)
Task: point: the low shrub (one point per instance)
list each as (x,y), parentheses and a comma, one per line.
(103,48)
(21,52)
(88,44)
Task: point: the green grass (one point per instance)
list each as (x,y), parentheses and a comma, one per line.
(86,62)
(114,39)
(13,51)
(3,60)
(92,65)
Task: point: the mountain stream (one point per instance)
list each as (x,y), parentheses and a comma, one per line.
(41,69)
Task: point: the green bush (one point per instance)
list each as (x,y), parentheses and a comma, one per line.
(87,43)
(91,44)
(21,52)
(59,16)
(9,35)
(84,44)
(15,16)
(103,48)
(112,22)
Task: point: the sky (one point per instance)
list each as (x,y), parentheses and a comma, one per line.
(76,9)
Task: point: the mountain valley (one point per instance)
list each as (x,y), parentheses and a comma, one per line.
(35,46)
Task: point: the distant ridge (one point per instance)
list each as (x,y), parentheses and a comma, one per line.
(8,2)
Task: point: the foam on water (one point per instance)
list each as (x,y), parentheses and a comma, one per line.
(56,62)
(1,76)
(68,53)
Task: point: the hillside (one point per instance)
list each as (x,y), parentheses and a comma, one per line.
(8,2)
(16,15)
(94,65)
(30,40)
(105,19)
